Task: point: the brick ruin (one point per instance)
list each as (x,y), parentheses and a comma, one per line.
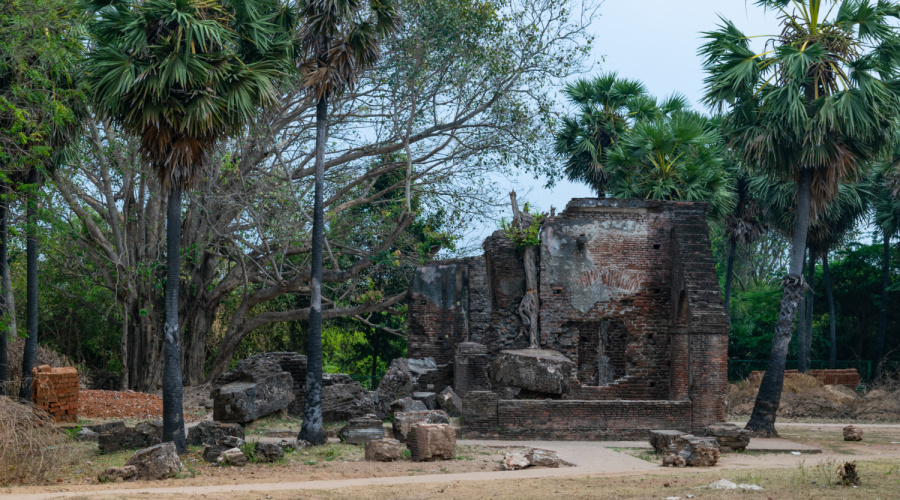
(628,293)
(55,390)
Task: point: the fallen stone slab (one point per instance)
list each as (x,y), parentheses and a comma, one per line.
(853,433)
(118,474)
(86,434)
(448,401)
(384,450)
(362,430)
(268,452)
(105,426)
(255,388)
(544,458)
(729,436)
(233,456)
(126,438)
(535,370)
(404,422)
(211,452)
(156,462)
(409,404)
(427,442)
(210,432)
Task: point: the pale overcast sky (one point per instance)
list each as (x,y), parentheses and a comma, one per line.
(654,41)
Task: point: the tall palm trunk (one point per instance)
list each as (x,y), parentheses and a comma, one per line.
(882,321)
(729,275)
(4,316)
(29,356)
(762,421)
(801,330)
(810,299)
(829,295)
(173,408)
(312,429)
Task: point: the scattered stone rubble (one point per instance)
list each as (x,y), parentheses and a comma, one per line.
(362,430)
(404,422)
(120,438)
(729,436)
(234,457)
(448,401)
(255,388)
(210,432)
(156,462)
(531,457)
(536,370)
(428,442)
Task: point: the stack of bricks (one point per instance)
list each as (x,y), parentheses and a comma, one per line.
(848,377)
(55,390)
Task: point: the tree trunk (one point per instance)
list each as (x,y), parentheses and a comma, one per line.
(801,331)
(882,320)
(762,421)
(810,298)
(729,275)
(312,430)
(529,308)
(829,295)
(173,408)
(29,356)
(374,384)
(4,316)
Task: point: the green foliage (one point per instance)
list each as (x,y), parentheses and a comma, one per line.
(679,157)
(524,237)
(182,74)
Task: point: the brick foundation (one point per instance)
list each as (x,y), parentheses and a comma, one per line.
(55,390)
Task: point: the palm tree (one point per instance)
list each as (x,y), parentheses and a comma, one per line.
(339,40)
(813,108)
(182,75)
(886,208)
(671,158)
(743,225)
(606,107)
(831,228)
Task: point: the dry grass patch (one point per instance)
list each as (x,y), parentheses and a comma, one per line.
(33,449)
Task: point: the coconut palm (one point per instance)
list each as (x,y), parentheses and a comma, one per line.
(340,39)
(886,209)
(671,158)
(743,225)
(181,75)
(606,106)
(813,108)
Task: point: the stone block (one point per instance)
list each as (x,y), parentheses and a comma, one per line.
(86,434)
(428,442)
(853,433)
(362,430)
(343,401)
(694,451)
(535,370)
(404,422)
(268,452)
(384,450)
(211,452)
(664,440)
(729,436)
(405,405)
(230,441)
(255,388)
(396,384)
(210,432)
(448,401)
(233,456)
(515,460)
(156,462)
(105,426)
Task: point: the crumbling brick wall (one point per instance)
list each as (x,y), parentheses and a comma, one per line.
(55,390)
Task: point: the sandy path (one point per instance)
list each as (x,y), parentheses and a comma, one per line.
(589,459)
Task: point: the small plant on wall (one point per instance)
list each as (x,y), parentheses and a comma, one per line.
(526,233)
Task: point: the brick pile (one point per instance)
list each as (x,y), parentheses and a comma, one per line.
(55,390)
(848,377)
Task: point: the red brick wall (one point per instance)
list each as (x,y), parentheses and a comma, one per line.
(848,377)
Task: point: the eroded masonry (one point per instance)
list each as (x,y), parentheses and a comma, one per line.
(633,333)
